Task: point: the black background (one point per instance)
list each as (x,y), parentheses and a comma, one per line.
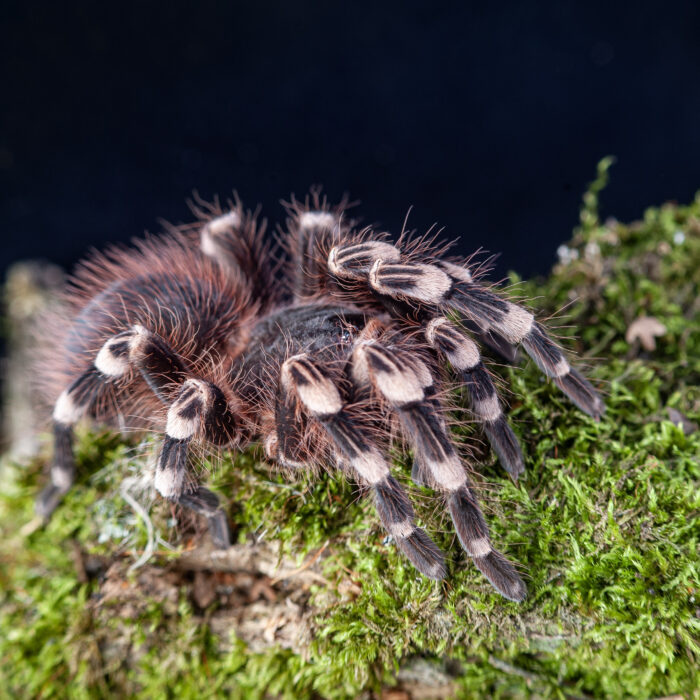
(486,117)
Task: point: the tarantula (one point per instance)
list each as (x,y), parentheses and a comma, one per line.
(197,333)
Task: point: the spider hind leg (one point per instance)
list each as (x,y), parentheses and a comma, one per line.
(321,399)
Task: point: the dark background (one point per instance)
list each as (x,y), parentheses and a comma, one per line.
(487,117)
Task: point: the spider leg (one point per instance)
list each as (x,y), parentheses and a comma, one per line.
(494,341)
(463,355)
(235,241)
(157,364)
(165,372)
(289,428)
(70,407)
(161,368)
(319,396)
(200,410)
(404,381)
(446,287)
(313,232)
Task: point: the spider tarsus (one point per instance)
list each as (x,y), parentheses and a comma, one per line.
(581,393)
(551,360)
(48,500)
(502,576)
(506,446)
(423,553)
(473,533)
(219,530)
(206,503)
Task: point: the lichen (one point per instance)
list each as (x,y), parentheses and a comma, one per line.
(604,524)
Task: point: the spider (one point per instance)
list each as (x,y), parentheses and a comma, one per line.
(322,354)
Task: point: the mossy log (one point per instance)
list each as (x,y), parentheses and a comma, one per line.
(117,597)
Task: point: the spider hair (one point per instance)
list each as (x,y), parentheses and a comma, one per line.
(326,348)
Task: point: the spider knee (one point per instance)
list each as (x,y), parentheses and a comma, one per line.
(317,220)
(74,402)
(400,379)
(462,352)
(415,281)
(67,411)
(220,226)
(194,402)
(116,355)
(315,390)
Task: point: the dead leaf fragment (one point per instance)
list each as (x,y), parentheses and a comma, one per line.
(645,329)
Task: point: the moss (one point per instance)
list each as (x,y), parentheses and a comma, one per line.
(604,523)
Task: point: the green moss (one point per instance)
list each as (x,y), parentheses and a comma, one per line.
(604,523)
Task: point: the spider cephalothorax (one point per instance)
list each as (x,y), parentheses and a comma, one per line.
(199,334)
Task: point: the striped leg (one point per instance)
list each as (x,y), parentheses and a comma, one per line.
(493,340)
(199,411)
(71,406)
(159,366)
(463,354)
(320,397)
(404,382)
(290,426)
(162,368)
(235,240)
(450,287)
(165,372)
(313,232)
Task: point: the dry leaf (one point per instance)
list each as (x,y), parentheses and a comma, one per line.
(645,329)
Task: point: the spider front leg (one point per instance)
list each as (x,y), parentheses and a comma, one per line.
(199,410)
(405,382)
(445,286)
(70,407)
(302,378)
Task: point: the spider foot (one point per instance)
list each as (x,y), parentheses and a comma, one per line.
(205,502)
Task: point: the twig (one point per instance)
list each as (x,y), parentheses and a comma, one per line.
(309,562)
